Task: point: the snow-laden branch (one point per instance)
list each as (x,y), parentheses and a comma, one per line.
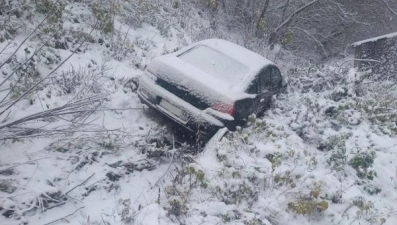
(388,7)
(71,108)
(293,15)
(312,37)
(42,79)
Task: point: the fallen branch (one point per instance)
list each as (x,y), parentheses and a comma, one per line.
(62,218)
(70,108)
(5,47)
(82,183)
(42,79)
(23,163)
(56,205)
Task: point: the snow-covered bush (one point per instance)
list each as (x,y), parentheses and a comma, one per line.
(103,13)
(309,205)
(361,162)
(25,78)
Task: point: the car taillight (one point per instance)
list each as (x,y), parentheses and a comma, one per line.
(225,108)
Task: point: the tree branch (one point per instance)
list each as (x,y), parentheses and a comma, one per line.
(387,6)
(85,181)
(313,38)
(293,15)
(64,216)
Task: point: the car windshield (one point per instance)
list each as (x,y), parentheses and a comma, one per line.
(216,64)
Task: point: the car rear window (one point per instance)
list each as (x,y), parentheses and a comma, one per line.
(216,64)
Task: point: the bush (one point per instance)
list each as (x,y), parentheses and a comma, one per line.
(309,205)
(103,15)
(177,208)
(55,8)
(363,205)
(338,160)
(25,78)
(361,162)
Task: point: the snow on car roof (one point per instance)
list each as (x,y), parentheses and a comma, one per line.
(253,61)
(249,58)
(216,64)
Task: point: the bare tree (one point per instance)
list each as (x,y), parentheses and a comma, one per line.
(288,21)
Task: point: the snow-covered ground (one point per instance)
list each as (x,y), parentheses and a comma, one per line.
(323,154)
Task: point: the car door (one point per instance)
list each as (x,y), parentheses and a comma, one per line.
(268,83)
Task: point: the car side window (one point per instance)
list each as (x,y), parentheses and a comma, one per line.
(253,88)
(276,78)
(268,79)
(264,80)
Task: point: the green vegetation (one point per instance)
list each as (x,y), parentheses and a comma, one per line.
(309,205)
(361,162)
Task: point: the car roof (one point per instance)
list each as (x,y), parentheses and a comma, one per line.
(247,57)
(253,61)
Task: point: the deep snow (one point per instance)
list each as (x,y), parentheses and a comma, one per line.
(248,177)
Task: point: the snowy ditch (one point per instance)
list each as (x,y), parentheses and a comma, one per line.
(325,153)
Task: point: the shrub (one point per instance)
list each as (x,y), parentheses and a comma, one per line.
(200,177)
(236,194)
(309,204)
(55,8)
(285,178)
(338,159)
(26,77)
(363,205)
(308,207)
(176,208)
(103,15)
(361,162)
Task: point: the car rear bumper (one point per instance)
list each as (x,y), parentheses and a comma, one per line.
(177,109)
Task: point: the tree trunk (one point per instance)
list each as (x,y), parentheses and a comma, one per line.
(262,15)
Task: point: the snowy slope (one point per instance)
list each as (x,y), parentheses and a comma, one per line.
(325,153)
